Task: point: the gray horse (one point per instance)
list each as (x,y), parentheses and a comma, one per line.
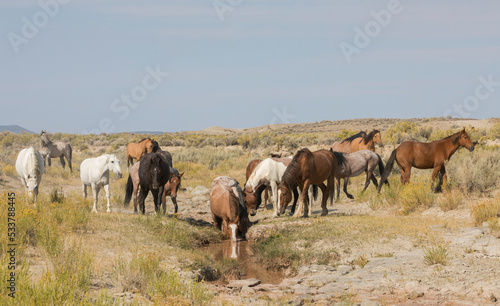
(354,164)
(57,149)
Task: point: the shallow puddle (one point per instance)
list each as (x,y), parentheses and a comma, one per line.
(241,251)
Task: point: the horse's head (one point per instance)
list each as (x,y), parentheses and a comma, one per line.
(232,227)
(149,145)
(251,201)
(175,183)
(156,146)
(32,180)
(284,196)
(377,138)
(464,140)
(114,164)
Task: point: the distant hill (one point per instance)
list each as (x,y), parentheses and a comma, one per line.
(14,129)
(148,132)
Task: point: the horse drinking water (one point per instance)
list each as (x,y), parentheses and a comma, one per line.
(55,149)
(94,172)
(30,167)
(228,209)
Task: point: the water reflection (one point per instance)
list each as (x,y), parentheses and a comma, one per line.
(241,250)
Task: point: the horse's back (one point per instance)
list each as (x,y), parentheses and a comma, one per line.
(20,162)
(340,146)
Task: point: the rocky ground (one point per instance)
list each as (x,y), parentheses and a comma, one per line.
(470,278)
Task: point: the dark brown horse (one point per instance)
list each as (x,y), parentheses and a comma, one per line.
(228,210)
(426,156)
(359,141)
(138,150)
(308,168)
(154,173)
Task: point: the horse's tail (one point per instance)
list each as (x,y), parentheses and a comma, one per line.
(128,191)
(381,168)
(315,192)
(387,170)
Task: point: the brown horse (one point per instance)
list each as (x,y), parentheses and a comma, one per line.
(228,210)
(426,156)
(359,141)
(308,168)
(138,150)
(171,189)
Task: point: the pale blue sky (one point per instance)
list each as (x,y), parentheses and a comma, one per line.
(256,63)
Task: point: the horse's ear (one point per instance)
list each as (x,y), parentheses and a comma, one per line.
(280,154)
(181,174)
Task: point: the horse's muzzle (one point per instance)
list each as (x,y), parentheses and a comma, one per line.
(471,148)
(253,212)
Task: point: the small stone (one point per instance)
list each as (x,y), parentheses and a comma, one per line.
(251,282)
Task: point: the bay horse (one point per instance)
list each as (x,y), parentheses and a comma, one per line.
(423,155)
(359,141)
(228,209)
(308,168)
(154,173)
(30,167)
(138,150)
(354,164)
(56,149)
(94,172)
(266,174)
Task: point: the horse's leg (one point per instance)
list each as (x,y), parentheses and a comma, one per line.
(134,193)
(84,187)
(48,160)
(106,189)
(374,180)
(68,158)
(174,200)
(217,222)
(304,200)
(95,192)
(295,199)
(324,210)
(61,159)
(274,190)
(142,197)
(346,182)
(338,187)
(163,201)
(266,197)
(405,175)
(437,170)
(300,209)
(444,176)
(156,199)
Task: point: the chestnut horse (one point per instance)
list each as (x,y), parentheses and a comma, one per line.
(426,156)
(358,142)
(308,168)
(138,150)
(228,209)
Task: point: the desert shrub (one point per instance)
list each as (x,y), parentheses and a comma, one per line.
(477,171)
(400,132)
(276,253)
(345,133)
(485,211)
(9,170)
(415,195)
(495,130)
(451,200)
(437,254)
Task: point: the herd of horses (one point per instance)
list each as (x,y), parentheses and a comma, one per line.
(283,178)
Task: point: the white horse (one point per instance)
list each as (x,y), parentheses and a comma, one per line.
(30,167)
(269,173)
(94,172)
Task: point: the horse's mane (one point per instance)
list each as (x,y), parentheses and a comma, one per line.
(33,161)
(292,172)
(370,136)
(147,138)
(358,135)
(341,160)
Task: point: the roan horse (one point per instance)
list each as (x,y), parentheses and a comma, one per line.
(308,168)
(138,150)
(426,156)
(228,209)
(358,142)
(94,172)
(30,167)
(170,189)
(55,149)
(354,164)
(154,173)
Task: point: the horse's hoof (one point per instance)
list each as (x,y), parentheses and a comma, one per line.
(108,210)
(324,213)
(94,211)
(350,197)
